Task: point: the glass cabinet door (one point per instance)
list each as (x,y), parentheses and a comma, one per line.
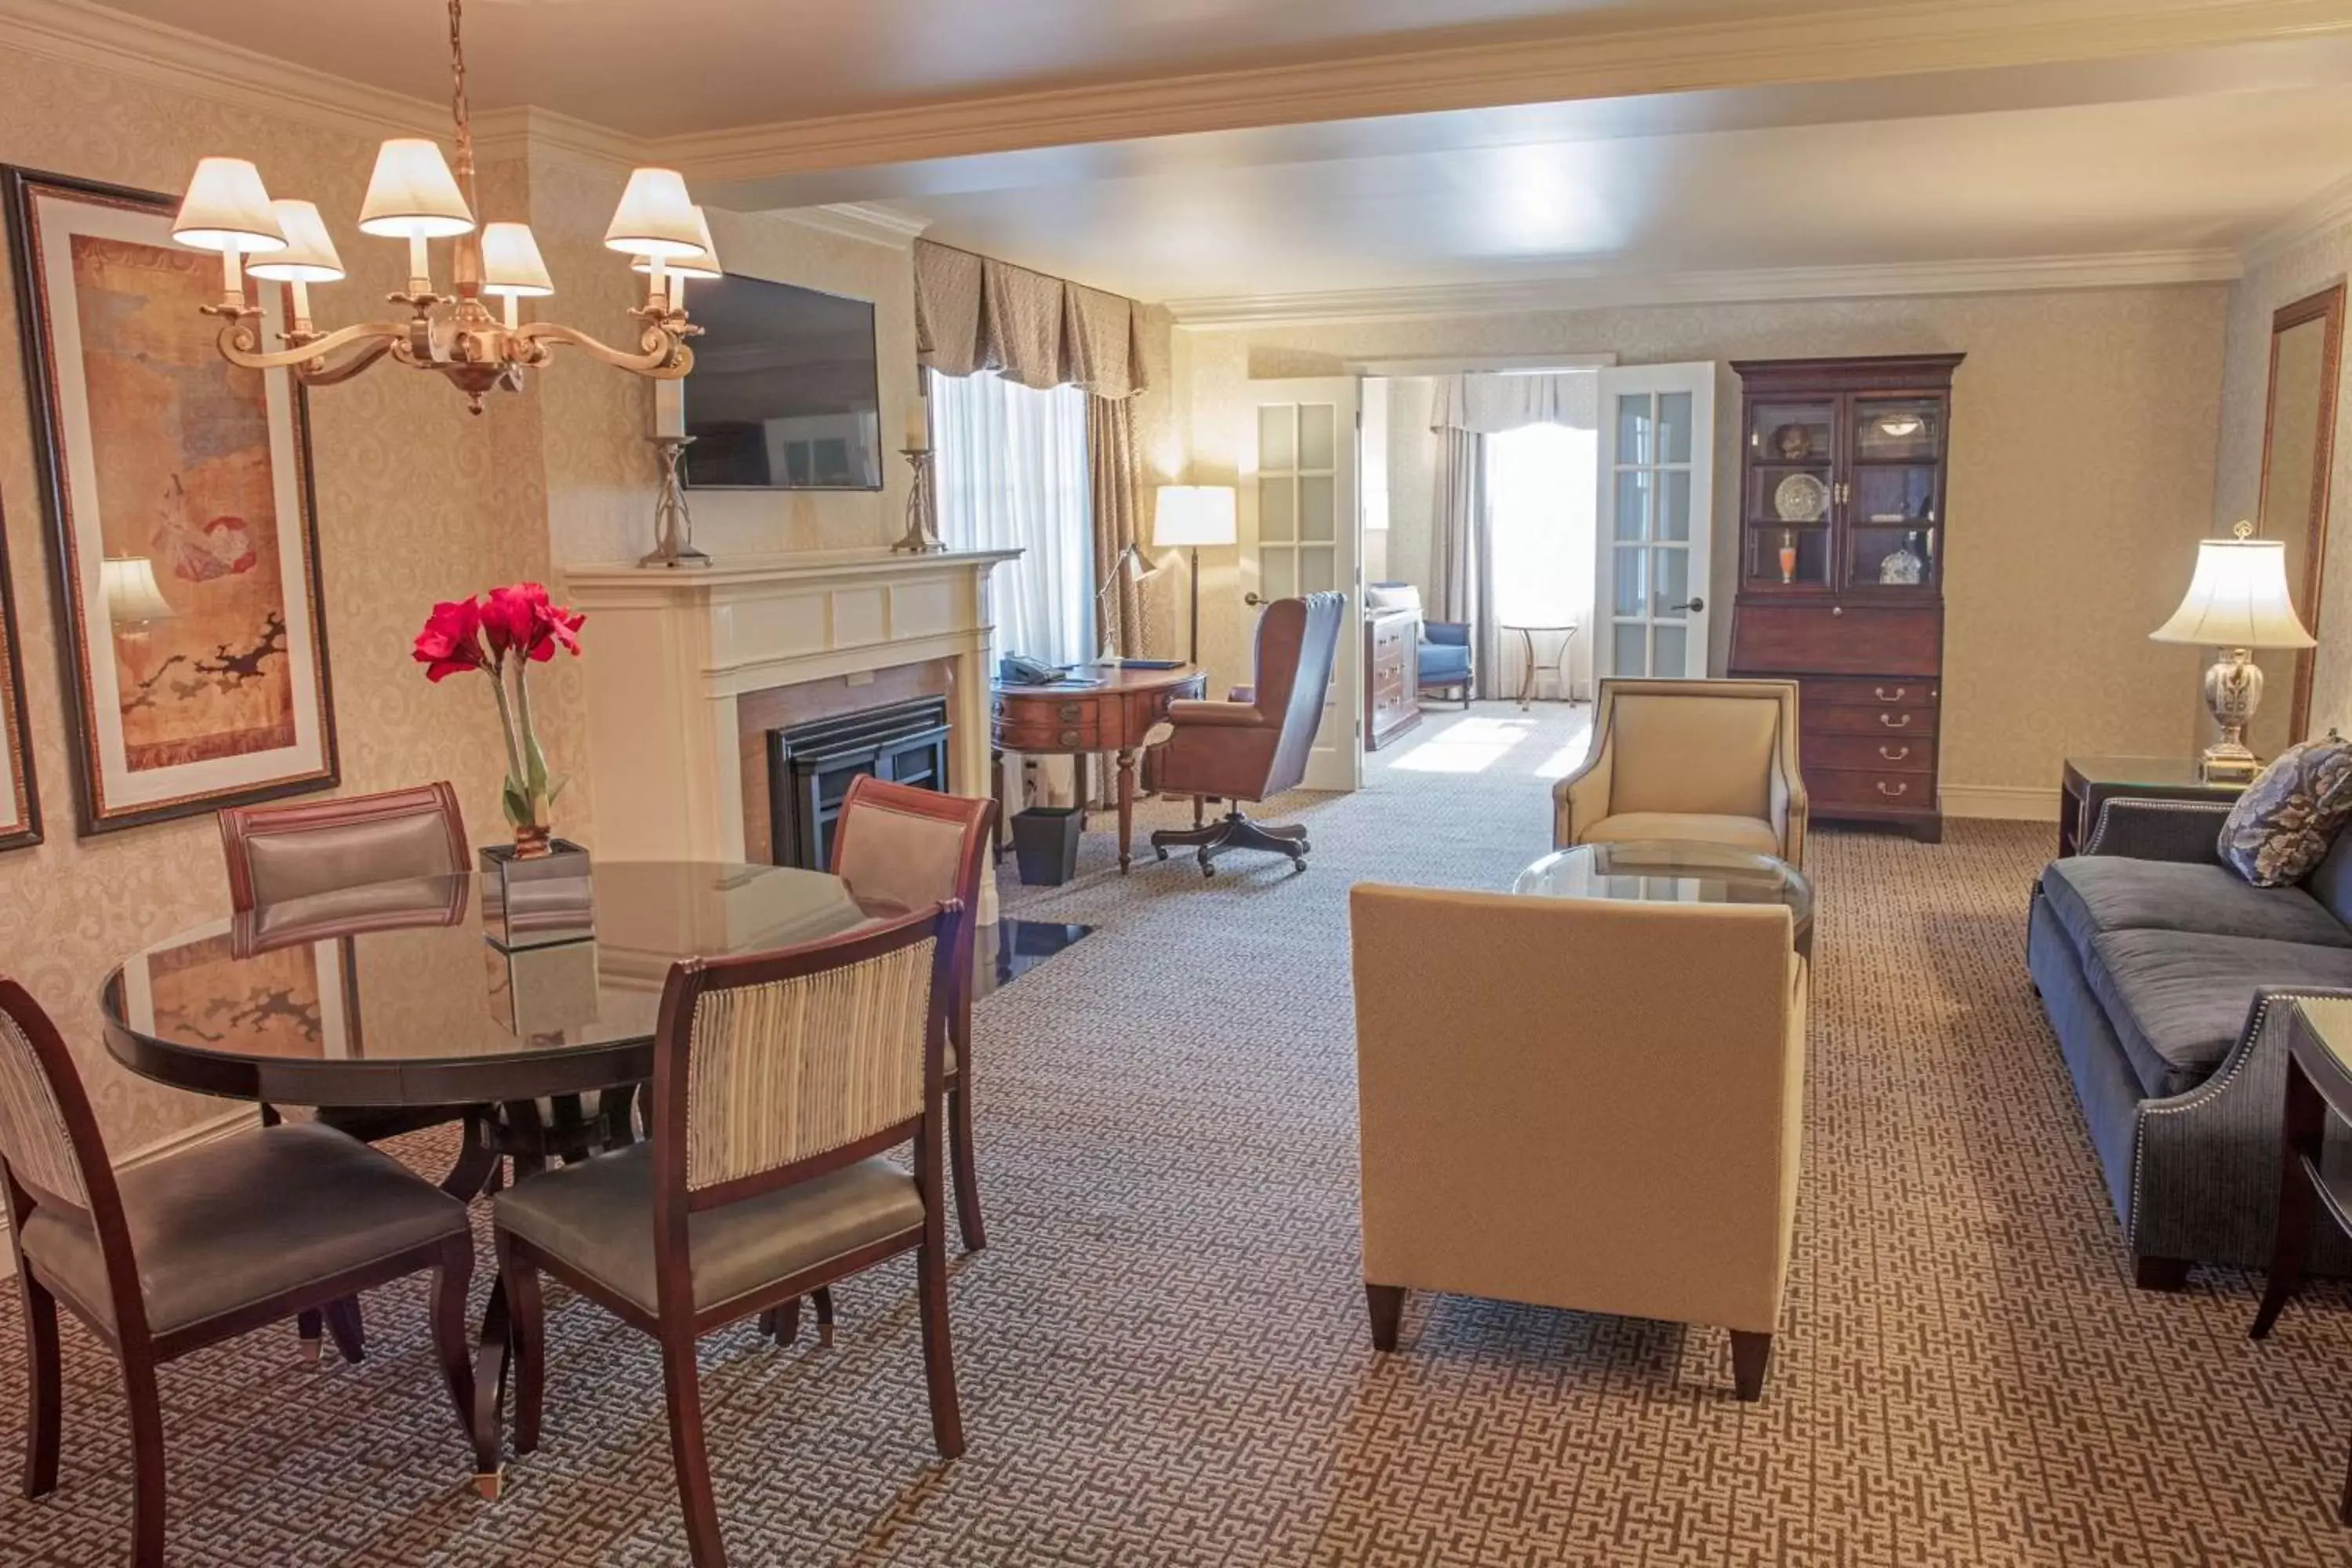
(1786,512)
(1892,505)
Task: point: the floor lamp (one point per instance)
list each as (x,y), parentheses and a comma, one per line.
(1191,516)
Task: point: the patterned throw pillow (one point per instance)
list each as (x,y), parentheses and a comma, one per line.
(2283,826)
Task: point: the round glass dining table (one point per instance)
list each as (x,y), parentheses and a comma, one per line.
(394,995)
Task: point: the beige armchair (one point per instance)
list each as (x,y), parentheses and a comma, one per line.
(1551,1113)
(1714,761)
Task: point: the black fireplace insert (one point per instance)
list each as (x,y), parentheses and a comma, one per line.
(810,764)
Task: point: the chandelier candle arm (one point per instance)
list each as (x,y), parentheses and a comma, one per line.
(415,195)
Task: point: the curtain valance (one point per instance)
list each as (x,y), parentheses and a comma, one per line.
(974,313)
(1489,403)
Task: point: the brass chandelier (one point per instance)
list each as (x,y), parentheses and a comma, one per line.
(414,196)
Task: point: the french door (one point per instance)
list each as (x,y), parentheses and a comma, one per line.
(1657,499)
(1300,535)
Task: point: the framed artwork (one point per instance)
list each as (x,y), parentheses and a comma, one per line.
(183,527)
(20,801)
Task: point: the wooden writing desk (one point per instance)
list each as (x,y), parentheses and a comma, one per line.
(1111,717)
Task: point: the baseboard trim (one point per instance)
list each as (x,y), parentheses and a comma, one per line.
(195,1136)
(2007,803)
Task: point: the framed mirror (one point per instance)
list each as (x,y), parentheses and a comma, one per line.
(2298,449)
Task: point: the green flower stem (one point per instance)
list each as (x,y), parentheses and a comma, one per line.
(497,674)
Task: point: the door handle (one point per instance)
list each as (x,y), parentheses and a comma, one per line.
(1693,606)
(1252,599)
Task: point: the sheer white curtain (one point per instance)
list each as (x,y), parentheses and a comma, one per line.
(1540,487)
(1010,468)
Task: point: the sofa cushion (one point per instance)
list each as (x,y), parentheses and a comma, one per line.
(1443,661)
(2288,819)
(2331,880)
(1752,833)
(2095,894)
(2178,999)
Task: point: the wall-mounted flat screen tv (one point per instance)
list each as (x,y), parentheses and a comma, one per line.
(782,395)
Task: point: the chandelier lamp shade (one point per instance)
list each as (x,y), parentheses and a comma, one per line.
(415,195)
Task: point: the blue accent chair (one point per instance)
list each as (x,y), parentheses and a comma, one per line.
(1444,652)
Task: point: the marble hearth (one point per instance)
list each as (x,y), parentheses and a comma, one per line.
(686,671)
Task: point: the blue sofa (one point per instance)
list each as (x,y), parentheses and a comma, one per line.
(2164,974)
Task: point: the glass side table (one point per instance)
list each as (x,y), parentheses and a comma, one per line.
(1663,871)
(1567,635)
(2092,782)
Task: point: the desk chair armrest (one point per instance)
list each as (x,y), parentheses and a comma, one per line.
(1222,715)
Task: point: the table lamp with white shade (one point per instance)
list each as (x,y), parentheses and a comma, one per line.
(2237,602)
(1189,516)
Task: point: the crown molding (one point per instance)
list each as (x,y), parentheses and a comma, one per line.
(867,221)
(78,33)
(1593,59)
(521,132)
(1594,289)
(2329,208)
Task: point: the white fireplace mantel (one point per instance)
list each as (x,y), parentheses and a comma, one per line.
(672,651)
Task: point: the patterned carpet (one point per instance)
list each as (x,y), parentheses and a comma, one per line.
(1163,1354)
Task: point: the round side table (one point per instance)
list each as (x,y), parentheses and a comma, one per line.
(1527,664)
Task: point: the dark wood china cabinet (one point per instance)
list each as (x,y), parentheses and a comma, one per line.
(1842,544)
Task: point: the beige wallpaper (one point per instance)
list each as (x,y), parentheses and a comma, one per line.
(2083,464)
(2301,270)
(407,514)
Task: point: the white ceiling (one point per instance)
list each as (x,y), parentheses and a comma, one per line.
(2182,154)
(659,68)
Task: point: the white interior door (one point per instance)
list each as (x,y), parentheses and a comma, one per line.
(1656,523)
(1300,535)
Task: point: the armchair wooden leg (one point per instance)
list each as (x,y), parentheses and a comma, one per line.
(146,1408)
(823,1295)
(1387,1304)
(449,1343)
(1751,1357)
(966,1164)
(526,1335)
(309,1326)
(43,1395)
(348,1329)
(783,1323)
(682,1382)
(938,1350)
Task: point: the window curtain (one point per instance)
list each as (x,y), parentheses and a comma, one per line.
(1467,410)
(1014,473)
(974,314)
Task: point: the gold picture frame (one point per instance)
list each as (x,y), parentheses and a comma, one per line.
(185,565)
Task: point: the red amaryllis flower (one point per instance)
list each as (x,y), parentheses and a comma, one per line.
(520,619)
(451,641)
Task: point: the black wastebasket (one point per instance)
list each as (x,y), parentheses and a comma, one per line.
(1045,844)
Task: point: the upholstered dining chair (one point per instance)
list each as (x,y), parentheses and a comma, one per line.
(915,847)
(781,1080)
(1711,761)
(198,1247)
(352,857)
(1256,745)
(1598,1134)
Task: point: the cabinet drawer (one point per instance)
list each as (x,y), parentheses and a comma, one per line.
(1026,731)
(1889,754)
(1872,790)
(1873,642)
(1888,691)
(1829,720)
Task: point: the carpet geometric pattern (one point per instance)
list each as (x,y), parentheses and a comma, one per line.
(1163,1353)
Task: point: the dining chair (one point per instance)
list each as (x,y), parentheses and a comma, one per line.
(186,1251)
(780,1082)
(351,856)
(914,848)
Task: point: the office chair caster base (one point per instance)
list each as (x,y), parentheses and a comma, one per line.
(1233,831)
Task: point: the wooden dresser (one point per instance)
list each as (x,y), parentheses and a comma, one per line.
(1841,541)
(1391,675)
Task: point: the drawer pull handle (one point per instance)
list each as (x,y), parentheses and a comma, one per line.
(1886,788)
(1894,753)
(1900,692)
(1069,710)
(1895,720)
(1069,737)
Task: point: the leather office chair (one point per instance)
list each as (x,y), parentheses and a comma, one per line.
(1713,762)
(1597,1133)
(198,1247)
(1256,745)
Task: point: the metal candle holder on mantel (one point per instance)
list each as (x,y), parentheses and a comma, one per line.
(673,526)
(922,537)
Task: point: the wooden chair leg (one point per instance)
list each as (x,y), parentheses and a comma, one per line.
(1387,1305)
(44,1402)
(449,1340)
(783,1324)
(348,1329)
(307,1328)
(146,1409)
(939,1352)
(682,1384)
(823,1295)
(966,1164)
(1751,1357)
(526,1337)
